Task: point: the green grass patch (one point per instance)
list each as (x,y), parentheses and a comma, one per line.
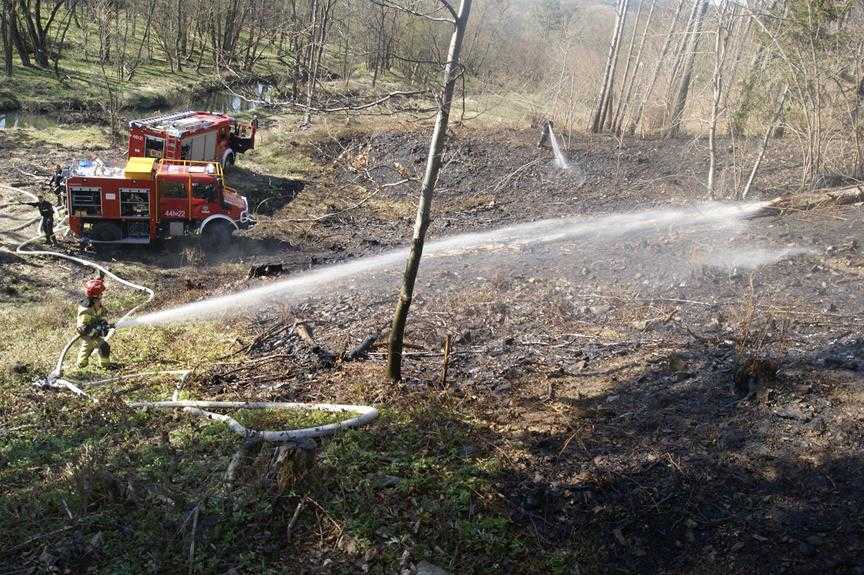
(421,470)
(86,138)
(276,152)
(285,419)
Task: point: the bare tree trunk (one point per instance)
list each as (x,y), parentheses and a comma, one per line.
(6,16)
(58,43)
(295,49)
(134,66)
(601,110)
(433,165)
(322,36)
(687,72)
(626,80)
(720,41)
(18,39)
(379,48)
(777,114)
(178,38)
(738,39)
(346,52)
(681,52)
(624,104)
(313,66)
(660,59)
(744,101)
(38,25)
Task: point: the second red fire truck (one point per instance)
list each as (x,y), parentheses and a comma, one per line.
(197,136)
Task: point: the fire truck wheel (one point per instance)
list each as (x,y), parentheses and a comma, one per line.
(216,235)
(106,232)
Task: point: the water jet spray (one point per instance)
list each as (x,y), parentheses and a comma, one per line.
(518,241)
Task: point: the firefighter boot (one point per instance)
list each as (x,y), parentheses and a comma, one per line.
(104,350)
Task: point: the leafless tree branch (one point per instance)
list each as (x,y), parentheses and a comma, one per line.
(431,18)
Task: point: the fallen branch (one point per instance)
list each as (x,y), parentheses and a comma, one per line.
(804,202)
(406,345)
(430,17)
(362,415)
(503,181)
(362,350)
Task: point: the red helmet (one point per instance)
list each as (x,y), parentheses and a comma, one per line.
(94,287)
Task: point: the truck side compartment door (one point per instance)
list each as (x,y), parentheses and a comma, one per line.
(210,146)
(197,148)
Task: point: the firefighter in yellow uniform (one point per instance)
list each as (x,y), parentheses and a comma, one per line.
(92,326)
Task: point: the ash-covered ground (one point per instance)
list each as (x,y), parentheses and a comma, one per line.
(676,412)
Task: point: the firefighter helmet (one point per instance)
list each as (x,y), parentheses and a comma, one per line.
(94,287)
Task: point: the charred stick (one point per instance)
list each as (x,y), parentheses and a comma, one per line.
(293,520)
(446,361)
(325,357)
(362,350)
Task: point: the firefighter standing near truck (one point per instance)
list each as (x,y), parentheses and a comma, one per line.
(56,183)
(92,326)
(46,226)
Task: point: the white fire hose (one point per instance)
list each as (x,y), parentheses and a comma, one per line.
(363,414)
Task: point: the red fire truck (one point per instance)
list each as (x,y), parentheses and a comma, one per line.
(199,136)
(150,199)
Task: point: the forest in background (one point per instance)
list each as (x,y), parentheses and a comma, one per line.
(745,71)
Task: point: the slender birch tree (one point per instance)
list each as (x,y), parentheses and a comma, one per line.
(721,40)
(627,89)
(683,86)
(433,166)
(634,122)
(598,118)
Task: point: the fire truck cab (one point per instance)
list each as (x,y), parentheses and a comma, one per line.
(150,199)
(197,136)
